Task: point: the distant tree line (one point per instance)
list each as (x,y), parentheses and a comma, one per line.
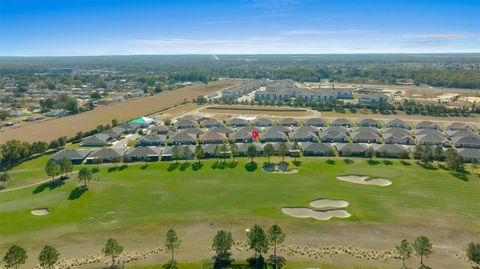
(443,70)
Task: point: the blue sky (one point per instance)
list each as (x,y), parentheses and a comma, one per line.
(108,27)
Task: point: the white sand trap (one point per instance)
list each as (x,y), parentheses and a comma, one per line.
(40,212)
(365,180)
(327,203)
(302,212)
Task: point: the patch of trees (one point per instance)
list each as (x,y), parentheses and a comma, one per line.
(14,152)
(62,101)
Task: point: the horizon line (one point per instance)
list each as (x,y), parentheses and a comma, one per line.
(219,54)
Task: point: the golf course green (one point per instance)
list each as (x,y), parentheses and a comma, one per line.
(136,198)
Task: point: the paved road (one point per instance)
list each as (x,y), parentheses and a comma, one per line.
(34,184)
(123,142)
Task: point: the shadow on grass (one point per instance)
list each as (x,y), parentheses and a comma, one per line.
(460,174)
(112,169)
(145,166)
(405,163)
(428,166)
(220,165)
(232,165)
(387,162)
(77,192)
(123,167)
(251,166)
(330,161)
(51,185)
(373,162)
(348,161)
(184,166)
(297,163)
(197,166)
(172,167)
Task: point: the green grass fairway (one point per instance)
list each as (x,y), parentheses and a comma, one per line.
(137,199)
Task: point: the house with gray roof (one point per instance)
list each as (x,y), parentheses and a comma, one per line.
(334,134)
(213,138)
(183,139)
(304,134)
(167,154)
(397,136)
(243,148)
(281,129)
(459,133)
(288,122)
(369,123)
(209,123)
(457,126)
(263,122)
(115,132)
(316,122)
(433,140)
(237,122)
(152,139)
(185,123)
(221,130)
(469,154)
(418,132)
(366,137)
(274,136)
(472,141)
(76,156)
(209,150)
(249,129)
(107,155)
(391,150)
(160,129)
(98,140)
(132,127)
(192,131)
(352,149)
(342,122)
(427,125)
(244,136)
(397,123)
(317,149)
(150,154)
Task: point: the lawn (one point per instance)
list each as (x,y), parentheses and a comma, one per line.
(137,199)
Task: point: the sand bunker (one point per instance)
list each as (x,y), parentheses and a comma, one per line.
(327,203)
(365,180)
(40,212)
(301,212)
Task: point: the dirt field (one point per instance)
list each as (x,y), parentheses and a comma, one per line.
(226,112)
(69,126)
(176,111)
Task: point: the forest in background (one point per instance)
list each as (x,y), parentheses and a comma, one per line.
(441,70)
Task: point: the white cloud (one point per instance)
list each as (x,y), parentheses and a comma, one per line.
(439,37)
(187,42)
(319,32)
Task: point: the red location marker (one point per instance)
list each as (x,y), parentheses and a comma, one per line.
(255,134)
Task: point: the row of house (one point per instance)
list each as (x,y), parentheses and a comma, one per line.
(104,138)
(105,155)
(333,134)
